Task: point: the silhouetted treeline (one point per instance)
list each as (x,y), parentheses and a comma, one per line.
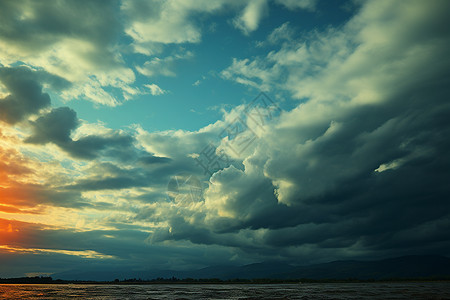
(268,280)
(174,280)
(29,280)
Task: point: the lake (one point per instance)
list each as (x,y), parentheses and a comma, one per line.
(390,290)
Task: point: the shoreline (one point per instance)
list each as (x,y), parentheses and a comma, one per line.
(223,282)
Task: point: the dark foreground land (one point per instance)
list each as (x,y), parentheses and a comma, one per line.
(400,269)
(407,267)
(186,281)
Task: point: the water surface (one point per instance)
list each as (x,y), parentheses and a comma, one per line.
(409,290)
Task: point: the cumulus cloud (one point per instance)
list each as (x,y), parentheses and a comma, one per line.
(166,21)
(156,23)
(336,63)
(70,40)
(314,183)
(358,167)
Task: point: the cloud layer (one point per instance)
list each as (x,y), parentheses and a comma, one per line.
(355,165)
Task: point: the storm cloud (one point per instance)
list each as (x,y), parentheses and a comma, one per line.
(354,164)
(357,171)
(57,126)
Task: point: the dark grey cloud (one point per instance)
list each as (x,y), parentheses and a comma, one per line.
(116,178)
(343,202)
(57,126)
(25,95)
(35,195)
(127,249)
(117,145)
(360,173)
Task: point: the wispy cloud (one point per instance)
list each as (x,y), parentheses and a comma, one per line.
(155,90)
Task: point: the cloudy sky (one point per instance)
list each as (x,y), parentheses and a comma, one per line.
(186,133)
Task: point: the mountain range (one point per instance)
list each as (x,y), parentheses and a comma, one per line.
(405,267)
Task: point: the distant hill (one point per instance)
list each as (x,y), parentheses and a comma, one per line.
(405,267)
(400,267)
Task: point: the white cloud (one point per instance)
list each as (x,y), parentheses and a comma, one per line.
(359,62)
(69,41)
(340,72)
(166,21)
(72,42)
(155,90)
(155,23)
(163,66)
(250,73)
(154,67)
(250,18)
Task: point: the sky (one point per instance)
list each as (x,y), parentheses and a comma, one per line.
(181,134)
